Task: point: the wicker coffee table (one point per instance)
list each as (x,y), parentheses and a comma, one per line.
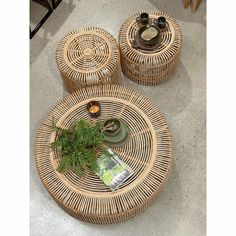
(150,67)
(147,152)
(88,56)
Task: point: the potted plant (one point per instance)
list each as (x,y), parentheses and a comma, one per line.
(78,146)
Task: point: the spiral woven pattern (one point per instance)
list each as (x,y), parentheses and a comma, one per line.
(147,152)
(150,67)
(88,56)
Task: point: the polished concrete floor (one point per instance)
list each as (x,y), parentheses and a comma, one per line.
(180,209)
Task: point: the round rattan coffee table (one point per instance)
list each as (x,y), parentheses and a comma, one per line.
(150,67)
(88,56)
(147,152)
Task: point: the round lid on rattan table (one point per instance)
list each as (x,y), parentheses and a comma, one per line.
(150,67)
(88,56)
(147,151)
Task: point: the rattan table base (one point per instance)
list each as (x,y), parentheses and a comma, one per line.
(150,67)
(147,152)
(88,56)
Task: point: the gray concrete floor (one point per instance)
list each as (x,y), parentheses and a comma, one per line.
(181,207)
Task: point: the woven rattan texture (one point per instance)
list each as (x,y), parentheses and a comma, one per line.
(150,67)
(88,56)
(147,152)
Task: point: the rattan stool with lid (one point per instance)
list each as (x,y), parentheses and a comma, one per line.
(88,56)
(147,152)
(149,67)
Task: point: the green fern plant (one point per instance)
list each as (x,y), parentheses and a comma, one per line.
(78,146)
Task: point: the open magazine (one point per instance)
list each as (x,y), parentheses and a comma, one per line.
(111,170)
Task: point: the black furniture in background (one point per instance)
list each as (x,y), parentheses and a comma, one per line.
(47,5)
(55,3)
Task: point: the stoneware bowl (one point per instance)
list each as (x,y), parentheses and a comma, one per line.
(117,136)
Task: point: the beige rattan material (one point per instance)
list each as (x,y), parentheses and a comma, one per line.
(147,152)
(195,5)
(186,3)
(149,67)
(88,56)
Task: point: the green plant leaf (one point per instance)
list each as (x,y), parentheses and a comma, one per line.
(78,146)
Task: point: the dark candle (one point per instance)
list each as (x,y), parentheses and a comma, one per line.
(94,109)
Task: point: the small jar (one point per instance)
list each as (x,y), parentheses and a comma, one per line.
(94,109)
(160,22)
(143,18)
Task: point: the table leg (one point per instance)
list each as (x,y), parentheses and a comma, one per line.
(38,26)
(55,3)
(186,3)
(195,5)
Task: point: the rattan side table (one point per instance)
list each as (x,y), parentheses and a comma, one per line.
(149,67)
(147,152)
(88,56)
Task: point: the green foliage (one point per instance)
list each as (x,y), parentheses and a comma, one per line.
(78,146)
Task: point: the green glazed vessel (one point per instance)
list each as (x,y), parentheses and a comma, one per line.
(118,135)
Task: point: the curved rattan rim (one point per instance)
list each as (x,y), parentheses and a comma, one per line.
(76,73)
(150,67)
(87,32)
(142,196)
(118,191)
(163,56)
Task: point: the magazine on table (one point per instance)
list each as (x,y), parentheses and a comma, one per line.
(112,170)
